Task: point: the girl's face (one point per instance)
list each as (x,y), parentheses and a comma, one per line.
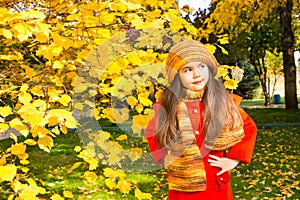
(194,75)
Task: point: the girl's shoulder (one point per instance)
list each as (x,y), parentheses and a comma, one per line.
(236,99)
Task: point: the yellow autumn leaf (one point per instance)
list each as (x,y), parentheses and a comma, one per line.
(41,37)
(132,101)
(139,108)
(224,39)
(109,172)
(46,143)
(10,57)
(141,120)
(77,149)
(40,131)
(231,84)
(3,127)
(66,115)
(136,129)
(134,59)
(8,172)
(52,121)
(114,68)
(119,7)
(175,26)
(65,99)
(64,129)
(68,194)
(18,149)
(90,176)
(135,153)
(2,160)
(222,72)
(25,98)
(35,14)
(25,169)
(24,88)
(56,197)
(159,94)
(211,48)
(140,195)
(145,101)
(76,165)
(30,142)
(27,194)
(29,71)
(57,64)
(93,163)
(124,186)
(73,17)
(110,183)
(22,31)
(223,49)
(120,116)
(6,33)
(130,5)
(24,162)
(122,137)
(108,18)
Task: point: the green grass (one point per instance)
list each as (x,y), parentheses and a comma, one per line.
(273,115)
(261,102)
(273,173)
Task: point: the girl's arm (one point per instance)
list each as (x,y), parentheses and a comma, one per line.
(158,153)
(243,150)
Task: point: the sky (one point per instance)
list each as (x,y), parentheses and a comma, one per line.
(195,4)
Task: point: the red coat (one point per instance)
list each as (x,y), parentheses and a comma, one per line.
(217,187)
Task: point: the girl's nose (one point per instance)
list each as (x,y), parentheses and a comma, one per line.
(196,73)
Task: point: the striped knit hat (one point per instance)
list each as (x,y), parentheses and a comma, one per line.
(189,51)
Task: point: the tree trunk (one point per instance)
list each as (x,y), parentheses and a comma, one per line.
(288,43)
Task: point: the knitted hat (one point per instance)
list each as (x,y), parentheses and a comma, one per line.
(189,51)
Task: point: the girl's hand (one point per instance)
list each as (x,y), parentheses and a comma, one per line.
(224,163)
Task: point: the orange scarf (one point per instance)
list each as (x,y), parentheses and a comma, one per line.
(184,161)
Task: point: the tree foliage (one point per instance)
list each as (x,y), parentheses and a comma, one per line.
(68,63)
(234,17)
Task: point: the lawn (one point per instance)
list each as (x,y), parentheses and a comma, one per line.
(273,173)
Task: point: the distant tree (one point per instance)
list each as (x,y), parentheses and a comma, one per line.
(250,82)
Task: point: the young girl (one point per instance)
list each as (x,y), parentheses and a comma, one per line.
(198,132)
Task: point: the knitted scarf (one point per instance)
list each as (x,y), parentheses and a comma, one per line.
(184,161)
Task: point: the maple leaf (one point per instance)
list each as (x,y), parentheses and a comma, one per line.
(46,143)
(18,149)
(110,183)
(231,84)
(68,194)
(56,197)
(5,111)
(122,137)
(90,176)
(140,195)
(27,193)
(65,99)
(8,172)
(135,153)
(6,33)
(237,73)
(124,186)
(132,101)
(3,127)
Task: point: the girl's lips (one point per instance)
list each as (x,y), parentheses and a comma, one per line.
(197,82)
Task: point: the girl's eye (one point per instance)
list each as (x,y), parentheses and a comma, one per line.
(187,69)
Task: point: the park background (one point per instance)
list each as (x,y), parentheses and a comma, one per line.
(79,78)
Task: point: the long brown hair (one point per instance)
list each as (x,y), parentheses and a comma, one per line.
(216,107)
